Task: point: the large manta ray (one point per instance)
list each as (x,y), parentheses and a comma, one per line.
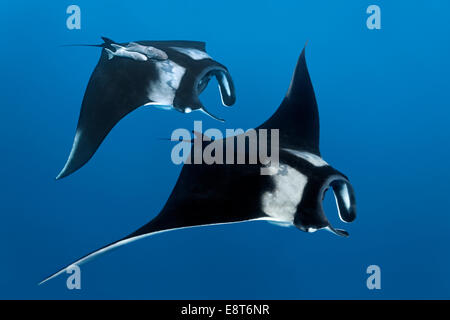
(227,193)
(167,74)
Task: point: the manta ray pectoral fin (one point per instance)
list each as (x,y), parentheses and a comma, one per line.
(158,225)
(298,115)
(110,95)
(83,148)
(147,230)
(91,255)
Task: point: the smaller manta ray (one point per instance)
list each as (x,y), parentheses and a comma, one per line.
(229,193)
(166,74)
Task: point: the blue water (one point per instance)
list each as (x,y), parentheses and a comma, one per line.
(383,97)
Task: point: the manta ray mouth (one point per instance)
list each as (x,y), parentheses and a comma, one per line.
(345,201)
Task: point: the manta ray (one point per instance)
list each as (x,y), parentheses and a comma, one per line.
(164,74)
(208,194)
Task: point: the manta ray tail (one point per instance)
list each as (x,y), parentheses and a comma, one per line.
(107,42)
(82,45)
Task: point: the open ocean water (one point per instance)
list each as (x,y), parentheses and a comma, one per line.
(383,99)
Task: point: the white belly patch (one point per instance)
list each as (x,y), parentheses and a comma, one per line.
(162,90)
(281,203)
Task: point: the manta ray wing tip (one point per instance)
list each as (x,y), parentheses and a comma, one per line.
(42,282)
(51,277)
(62,174)
(59,176)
